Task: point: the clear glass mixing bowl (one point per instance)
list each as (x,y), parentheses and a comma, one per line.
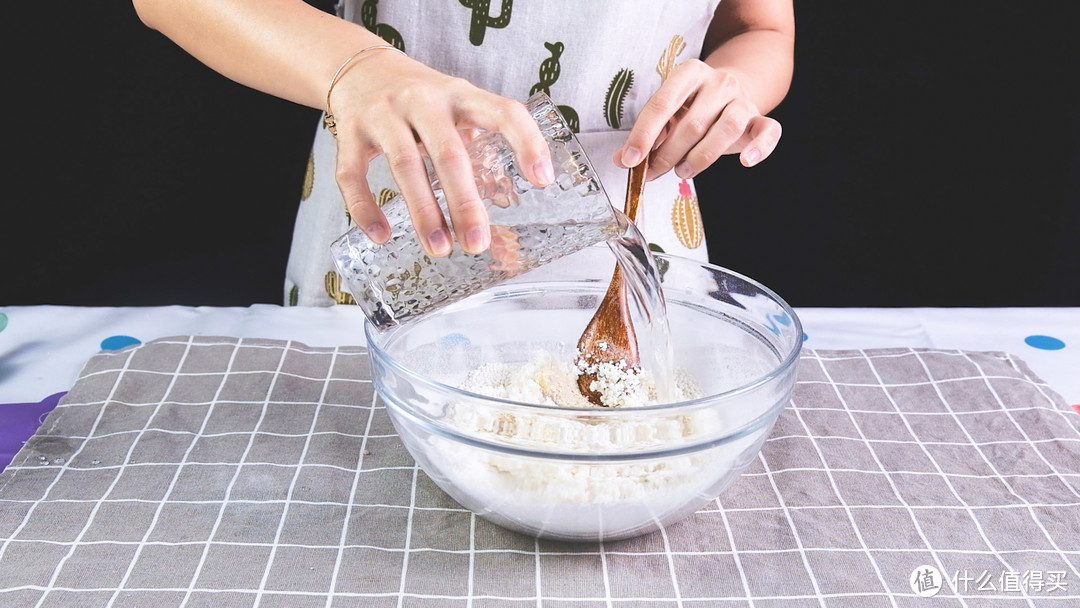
(587,474)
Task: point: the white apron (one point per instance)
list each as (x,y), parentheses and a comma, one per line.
(599,60)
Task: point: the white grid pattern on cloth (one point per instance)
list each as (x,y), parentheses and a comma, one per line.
(348,509)
(168,492)
(896,493)
(90,520)
(233,509)
(1004,478)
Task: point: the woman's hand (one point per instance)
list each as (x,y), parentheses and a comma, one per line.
(697,115)
(716,105)
(386,103)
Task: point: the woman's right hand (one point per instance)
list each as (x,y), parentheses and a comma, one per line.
(387,103)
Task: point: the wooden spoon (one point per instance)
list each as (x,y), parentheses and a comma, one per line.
(609,337)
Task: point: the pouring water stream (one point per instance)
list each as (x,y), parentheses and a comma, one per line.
(610,336)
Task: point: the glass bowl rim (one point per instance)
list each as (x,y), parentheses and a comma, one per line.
(372,342)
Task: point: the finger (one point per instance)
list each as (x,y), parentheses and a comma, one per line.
(764,135)
(672,96)
(724,136)
(690,131)
(351,176)
(453,165)
(410,173)
(512,119)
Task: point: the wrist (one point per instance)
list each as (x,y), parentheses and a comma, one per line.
(346,65)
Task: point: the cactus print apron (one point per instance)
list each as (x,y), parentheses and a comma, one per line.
(600,60)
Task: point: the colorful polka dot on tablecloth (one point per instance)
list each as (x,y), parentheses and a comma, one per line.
(118,342)
(1044,342)
(3,321)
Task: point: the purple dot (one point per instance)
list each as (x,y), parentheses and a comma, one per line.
(1044,342)
(118,342)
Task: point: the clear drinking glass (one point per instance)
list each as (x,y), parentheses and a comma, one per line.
(530,226)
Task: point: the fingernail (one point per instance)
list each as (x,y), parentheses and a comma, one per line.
(544,172)
(753,155)
(376,233)
(632,156)
(476,239)
(439,242)
(684,170)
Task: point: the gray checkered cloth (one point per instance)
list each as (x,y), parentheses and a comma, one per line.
(199,471)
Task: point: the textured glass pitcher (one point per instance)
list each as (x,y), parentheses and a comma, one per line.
(530,226)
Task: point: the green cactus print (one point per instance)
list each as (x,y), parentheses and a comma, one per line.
(369,18)
(294,295)
(549,68)
(482,19)
(616,95)
(549,73)
(572,120)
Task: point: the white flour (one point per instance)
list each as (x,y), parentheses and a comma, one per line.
(527,484)
(546,380)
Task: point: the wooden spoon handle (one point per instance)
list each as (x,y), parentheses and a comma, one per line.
(635,187)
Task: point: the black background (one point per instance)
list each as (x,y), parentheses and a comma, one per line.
(929,158)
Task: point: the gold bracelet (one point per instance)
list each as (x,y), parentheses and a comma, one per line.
(328,117)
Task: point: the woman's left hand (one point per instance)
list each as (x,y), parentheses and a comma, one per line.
(697,115)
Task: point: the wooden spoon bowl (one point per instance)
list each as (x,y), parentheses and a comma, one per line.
(609,338)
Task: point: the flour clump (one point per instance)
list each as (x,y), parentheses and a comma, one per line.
(546,380)
(550,381)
